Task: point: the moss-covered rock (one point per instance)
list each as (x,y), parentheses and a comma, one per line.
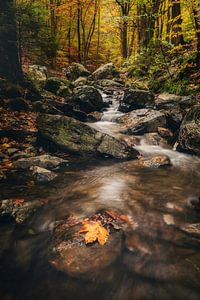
(53,84)
(76,137)
(87,99)
(107,71)
(76,70)
(136,99)
(142,121)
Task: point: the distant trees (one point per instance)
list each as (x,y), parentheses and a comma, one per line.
(9,56)
(57,32)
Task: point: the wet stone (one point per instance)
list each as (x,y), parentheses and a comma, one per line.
(193,229)
(42,161)
(18,209)
(78,260)
(42,175)
(156,162)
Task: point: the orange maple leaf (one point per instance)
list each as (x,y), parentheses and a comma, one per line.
(94,231)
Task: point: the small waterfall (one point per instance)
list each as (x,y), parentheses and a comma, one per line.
(110,114)
(182,160)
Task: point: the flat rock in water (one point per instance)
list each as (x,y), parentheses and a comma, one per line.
(142,121)
(156,162)
(43,161)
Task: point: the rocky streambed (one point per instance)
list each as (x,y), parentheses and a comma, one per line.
(126,183)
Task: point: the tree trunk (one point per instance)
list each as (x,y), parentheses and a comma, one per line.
(177,34)
(196,11)
(10,67)
(124,38)
(79,29)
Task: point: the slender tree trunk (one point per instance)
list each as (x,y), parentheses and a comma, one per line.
(69,36)
(196,12)
(99,33)
(177,34)
(78,29)
(10,67)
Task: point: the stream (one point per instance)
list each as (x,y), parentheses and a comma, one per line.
(160,260)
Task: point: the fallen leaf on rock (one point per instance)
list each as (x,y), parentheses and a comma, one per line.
(116,216)
(94,231)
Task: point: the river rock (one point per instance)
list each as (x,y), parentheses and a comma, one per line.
(76,70)
(174,119)
(108,83)
(64,91)
(87,99)
(78,260)
(136,99)
(159,161)
(43,161)
(155,139)
(107,71)
(19,209)
(53,84)
(142,121)
(80,81)
(169,101)
(77,137)
(189,135)
(42,175)
(166,101)
(193,229)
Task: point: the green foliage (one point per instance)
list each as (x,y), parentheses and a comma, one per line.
(35,37)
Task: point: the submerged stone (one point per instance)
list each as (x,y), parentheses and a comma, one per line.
(156,162)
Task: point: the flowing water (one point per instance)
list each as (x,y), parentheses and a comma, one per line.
(158,260)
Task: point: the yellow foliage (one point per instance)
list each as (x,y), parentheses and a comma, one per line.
(94,231)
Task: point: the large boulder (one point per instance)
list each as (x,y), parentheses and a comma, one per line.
(142,121)
(107,71)
(171,101)
(136,99)
(53,84)
(77,137)
(189,135)
(87,99)
(76,70)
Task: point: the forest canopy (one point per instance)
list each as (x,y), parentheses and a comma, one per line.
(92,32)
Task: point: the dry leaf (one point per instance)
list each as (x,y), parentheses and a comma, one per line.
(94,231)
